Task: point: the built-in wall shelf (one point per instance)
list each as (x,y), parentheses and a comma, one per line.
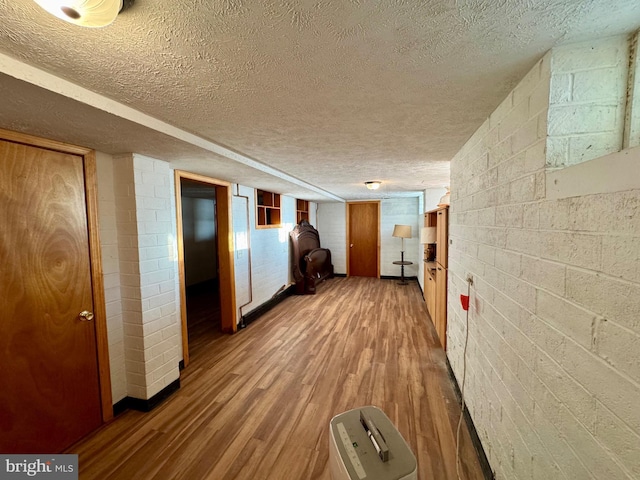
(267,209)
(302,210)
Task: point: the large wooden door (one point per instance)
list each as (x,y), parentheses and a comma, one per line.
(50,395)
(363,226)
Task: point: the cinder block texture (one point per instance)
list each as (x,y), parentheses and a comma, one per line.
(632,120)
(111,275)
(401,211)
(332,227)
(148,272)
(552,380)
(270,258)
(587,100)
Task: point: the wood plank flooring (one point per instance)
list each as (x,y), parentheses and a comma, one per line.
(203,315)
(257,404)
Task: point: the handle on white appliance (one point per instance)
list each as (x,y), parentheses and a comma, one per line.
(375,436)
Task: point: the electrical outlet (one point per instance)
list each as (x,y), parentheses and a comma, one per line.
(469,278)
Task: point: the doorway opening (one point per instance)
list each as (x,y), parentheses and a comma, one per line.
(200,244)
(205,261)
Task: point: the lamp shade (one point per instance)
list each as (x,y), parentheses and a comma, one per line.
(428,235)
(402,231)
(85,13)
(374,185)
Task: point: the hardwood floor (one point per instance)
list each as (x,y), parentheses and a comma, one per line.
(203,315)
(257,404)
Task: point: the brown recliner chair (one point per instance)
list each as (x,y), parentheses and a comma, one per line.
(311,264)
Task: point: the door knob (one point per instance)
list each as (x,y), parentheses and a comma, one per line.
(86,315)
(351,246)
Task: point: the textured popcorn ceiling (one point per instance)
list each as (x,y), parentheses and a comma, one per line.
(327,94)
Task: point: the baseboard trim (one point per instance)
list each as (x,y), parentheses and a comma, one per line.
(121,406)
(146,405)
(393,277)
(475,439)
(254,314)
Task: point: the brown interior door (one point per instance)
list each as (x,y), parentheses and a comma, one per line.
(363,238)
(50,394)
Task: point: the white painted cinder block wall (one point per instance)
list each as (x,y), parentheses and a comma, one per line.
(632,127)
(432,198)
(399,211)
(241,204)
(332,226)
(553,360)
(146,226)
(587,100)
(270,250)
(138,232)
(111,275)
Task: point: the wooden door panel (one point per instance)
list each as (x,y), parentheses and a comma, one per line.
(430,293)
(363,239)
(48,357)
(442,246)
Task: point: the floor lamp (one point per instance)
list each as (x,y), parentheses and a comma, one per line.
(402,231)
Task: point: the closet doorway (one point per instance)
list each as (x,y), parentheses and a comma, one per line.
(205,256)
(56,384)
(363,239)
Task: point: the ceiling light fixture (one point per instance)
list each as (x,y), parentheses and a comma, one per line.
(85,13)
(373,185)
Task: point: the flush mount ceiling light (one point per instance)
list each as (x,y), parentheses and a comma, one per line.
(85,13)
(373,185)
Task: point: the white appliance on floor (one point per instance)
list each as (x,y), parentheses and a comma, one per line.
(365,445)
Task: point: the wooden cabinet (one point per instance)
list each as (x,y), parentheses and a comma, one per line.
(440,317)
(435,273)
(442,235)
(267,209)
(430,286)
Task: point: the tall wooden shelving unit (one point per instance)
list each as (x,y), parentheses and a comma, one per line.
(435,272)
